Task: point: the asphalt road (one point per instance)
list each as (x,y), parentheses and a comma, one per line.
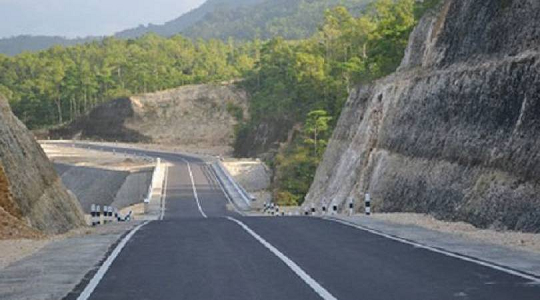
(202,250)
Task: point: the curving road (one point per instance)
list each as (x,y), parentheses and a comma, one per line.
(202,250)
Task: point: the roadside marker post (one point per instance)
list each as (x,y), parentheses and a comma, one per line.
(313,210)
(105,214)
(98,215)
(351,208)
(111,214)
(368,204)
(334,209)
(93,214)
(323,210)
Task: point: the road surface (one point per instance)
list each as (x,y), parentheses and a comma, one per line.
(202,250)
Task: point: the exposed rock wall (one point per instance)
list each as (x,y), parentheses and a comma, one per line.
(31,190)
(196,115)
(456,131)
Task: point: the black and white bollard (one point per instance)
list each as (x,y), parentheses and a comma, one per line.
(313,211)
(105,214)
(111,219)
(334,209)
(324,209)
(98,215)
(368,204)
(93,214)
(351,208)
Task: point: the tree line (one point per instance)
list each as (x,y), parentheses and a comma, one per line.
(58,85)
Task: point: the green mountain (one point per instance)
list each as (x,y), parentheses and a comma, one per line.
(290,19)
(187,20)
(220,19)
(18,44)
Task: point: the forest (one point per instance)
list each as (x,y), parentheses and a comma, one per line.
(301,83)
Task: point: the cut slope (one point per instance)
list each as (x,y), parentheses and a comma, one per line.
(455,132)
(31,190)
(199,115)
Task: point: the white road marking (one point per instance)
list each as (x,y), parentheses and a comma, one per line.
(107,264)
(535,280)
(164,193)
(222,188)
(194,189)
(321,291)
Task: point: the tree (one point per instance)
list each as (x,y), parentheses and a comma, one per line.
(317,125)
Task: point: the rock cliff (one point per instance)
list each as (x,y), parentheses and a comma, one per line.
(31,192)
(455,132)
(197,115)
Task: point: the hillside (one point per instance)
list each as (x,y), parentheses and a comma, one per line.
(187,20)
(219,19)
(31,193)
(290,19)
(454,132)
(19,44)
(199,116)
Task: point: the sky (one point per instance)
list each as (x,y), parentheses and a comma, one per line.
(79,18)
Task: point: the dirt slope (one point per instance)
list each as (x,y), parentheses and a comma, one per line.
(199,115)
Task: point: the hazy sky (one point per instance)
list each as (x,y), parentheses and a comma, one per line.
(72,18)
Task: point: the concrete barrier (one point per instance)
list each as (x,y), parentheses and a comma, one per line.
(242,199)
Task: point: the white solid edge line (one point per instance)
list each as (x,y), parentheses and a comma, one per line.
(440,251)
(222,188)
(321,291)
(164,193)
(87,292)
(194,189)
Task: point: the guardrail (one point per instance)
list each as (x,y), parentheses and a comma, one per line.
(246,197)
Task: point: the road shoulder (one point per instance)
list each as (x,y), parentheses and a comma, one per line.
(520,260)
(55,270)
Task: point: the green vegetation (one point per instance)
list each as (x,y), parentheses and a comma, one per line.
(298,85)
(307,82)
(290,19)
(60,84)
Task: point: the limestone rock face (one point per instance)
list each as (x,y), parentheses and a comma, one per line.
(31,191)
(455,132)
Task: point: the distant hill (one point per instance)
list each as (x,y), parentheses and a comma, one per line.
(187,20)
(18,44)
(291,19)
(220,19)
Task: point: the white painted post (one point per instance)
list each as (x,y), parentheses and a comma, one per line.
(93,215)
(105,214)
(351,207)
(334,209)
(111,219)
(368,204)
(313,210)
(98,215)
